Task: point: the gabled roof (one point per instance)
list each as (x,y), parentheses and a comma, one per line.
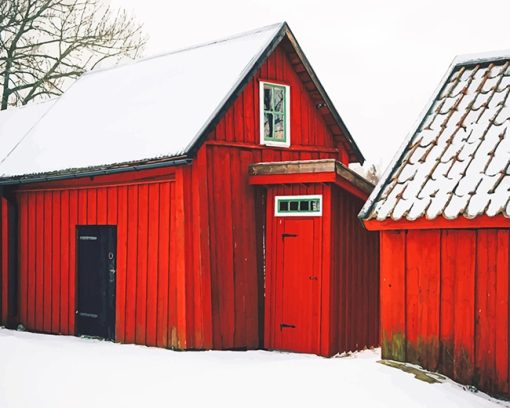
(157,109)
(456,162)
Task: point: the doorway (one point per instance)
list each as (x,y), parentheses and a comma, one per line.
(95,303)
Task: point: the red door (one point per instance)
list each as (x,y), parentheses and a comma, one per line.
(297,285)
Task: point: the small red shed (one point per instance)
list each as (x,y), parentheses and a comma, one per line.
(443,213)
(199,199)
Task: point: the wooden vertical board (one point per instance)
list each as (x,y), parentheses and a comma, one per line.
(178,283)
(65,267)
(448,260)
(423,276)
(192,293)
(91,206)
(131,267)
(393,294)
(204,245)
(32,277)
(172,274)
(141,262)
(23,258)
(502,314)
(464,307)
(73,220)
(326,343)
(163,269)
(47,261)
(240,267)
(152,265)
(55,267)
(485,293)
(102,206)
(5,260)
(112,206)
(122,267)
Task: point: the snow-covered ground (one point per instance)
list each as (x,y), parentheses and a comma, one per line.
(58,371)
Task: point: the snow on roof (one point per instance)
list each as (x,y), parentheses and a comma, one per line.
(154,108)
(16,122)
(457,162)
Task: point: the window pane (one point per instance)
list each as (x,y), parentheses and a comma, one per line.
(267,98)
(304,206)
(268,125)
(284,206)
(278,98)
(279,132)
(294,205)
(315,206)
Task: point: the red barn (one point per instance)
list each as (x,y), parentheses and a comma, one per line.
(194,200)
(443,215)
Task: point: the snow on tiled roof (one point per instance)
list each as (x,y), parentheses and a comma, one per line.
(457,162)
(153,108)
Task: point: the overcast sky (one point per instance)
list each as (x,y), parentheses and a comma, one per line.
(380,61)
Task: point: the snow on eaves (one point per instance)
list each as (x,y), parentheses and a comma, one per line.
(153,108)
(457,162)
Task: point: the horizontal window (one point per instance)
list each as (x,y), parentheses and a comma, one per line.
(295,206)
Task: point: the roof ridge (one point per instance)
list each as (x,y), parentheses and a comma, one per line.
(480,57)
(189,48)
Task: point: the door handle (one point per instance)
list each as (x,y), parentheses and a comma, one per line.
(288,235)
(287,326)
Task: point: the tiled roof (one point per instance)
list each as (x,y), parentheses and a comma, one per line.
(457,162)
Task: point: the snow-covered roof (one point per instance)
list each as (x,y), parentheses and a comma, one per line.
(15,123)
(155,109)
(457,161)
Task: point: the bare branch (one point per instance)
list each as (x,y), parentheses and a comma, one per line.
(45,44)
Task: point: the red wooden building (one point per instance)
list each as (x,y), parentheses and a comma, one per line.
(443,215)
(198,199)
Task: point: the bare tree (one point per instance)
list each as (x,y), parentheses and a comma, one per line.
(372,174)
(46,43)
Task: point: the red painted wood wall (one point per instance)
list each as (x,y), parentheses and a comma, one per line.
(444,303)
(354,297)
(189,246)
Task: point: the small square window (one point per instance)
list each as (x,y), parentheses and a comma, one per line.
(298,206)
(275,114)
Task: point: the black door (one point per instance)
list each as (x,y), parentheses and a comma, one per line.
(95,304)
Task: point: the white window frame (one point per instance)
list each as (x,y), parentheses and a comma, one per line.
(274,143)
(277,212)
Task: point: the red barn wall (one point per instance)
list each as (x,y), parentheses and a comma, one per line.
(354,297)
(150,232)
(444,303)
(233,206)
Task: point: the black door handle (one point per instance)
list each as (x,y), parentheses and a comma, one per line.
(287,326)
(287,235)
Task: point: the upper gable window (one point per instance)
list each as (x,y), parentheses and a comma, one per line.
(274,114)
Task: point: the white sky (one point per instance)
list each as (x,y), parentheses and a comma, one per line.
(380,61)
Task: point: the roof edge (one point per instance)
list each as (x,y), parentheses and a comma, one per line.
(482,57)
(325,96)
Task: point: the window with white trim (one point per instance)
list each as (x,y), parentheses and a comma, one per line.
(298,206)
(274,114)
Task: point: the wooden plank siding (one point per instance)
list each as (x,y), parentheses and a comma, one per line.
(189,238)
(444,303)
(47,254)
(354,286)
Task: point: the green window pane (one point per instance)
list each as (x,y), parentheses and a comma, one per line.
(284,206)
(304,206)
(279,99)
(268,98)
(315,206)
(294,206)
(279,129)
(268,125)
